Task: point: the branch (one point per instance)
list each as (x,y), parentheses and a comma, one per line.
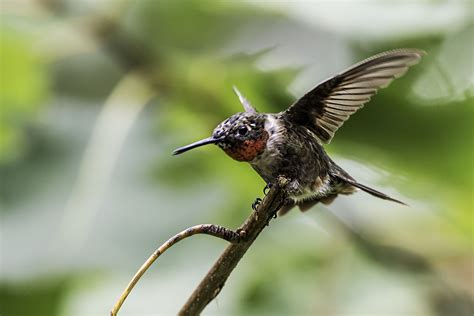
(241,240)
(208,229)
(215,279)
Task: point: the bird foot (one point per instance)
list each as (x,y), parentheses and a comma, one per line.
(270,218)
(267,187)
(256,203)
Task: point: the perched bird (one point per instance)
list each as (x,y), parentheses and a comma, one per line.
(289,143)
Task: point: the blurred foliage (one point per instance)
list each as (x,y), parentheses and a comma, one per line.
(41,297)
(423,147)
(24,86)
(165,28)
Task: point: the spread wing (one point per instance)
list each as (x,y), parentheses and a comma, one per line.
(325,108)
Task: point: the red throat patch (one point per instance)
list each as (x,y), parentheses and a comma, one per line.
(248,149)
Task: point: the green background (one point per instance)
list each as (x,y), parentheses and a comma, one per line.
(94,96)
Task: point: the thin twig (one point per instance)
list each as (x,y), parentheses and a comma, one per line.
(208,229)
(214,281)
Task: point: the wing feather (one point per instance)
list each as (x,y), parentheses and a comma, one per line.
(325,108)
(342,113)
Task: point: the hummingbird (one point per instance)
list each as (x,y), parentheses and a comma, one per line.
(290,143)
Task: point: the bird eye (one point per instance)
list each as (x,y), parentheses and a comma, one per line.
(242,130)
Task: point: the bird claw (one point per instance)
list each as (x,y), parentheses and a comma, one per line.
(267,187)
(269,219)
(256,203)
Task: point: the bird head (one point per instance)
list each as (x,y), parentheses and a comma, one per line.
(242,136)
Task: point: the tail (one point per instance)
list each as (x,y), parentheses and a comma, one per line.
(369,190)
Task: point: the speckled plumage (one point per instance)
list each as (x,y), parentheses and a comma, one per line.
(289,143)
(294,152)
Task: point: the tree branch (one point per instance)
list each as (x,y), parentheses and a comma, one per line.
(241,240)
(208,229)
(215,279)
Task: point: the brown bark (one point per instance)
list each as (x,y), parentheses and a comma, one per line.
(215,279)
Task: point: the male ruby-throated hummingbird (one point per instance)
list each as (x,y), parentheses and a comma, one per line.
(289,143)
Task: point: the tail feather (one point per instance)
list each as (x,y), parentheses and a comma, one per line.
(370,190)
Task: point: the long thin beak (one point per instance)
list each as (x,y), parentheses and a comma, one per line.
(209,140)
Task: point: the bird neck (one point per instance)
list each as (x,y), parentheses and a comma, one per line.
(249,149)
